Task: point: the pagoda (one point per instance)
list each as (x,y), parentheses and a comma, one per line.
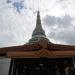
(39,56)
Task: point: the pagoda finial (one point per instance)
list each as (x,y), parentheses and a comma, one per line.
(38,31)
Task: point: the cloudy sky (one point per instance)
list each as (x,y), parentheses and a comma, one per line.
(18,20)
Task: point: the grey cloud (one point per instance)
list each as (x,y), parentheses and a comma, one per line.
(63,21)
(18,5)
(49,20)
(65,35)
(60,0)
(65,30)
